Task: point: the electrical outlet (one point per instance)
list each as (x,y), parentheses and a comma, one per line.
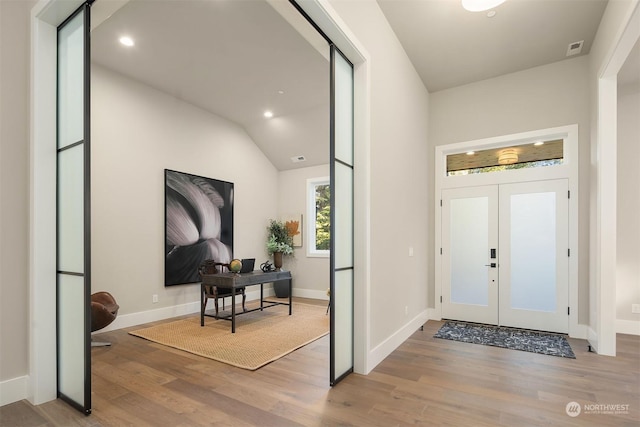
(406,310)
(410,250)
(154,298)
(635,308)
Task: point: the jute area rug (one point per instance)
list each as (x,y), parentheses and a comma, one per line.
(261,336)
(511,338)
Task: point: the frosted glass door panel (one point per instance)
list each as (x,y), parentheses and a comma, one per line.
(71,336)
(469,249)
(71,209)
(70,82)
(533,251)
(469,232)
(344,110)
(343,216)
(534,264)
(341,256)
(343,316)
(73,213)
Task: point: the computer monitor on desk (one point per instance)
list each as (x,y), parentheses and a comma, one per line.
(247,265)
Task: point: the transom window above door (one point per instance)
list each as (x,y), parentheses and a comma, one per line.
(532,155)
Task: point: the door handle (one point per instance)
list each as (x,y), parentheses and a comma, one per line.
(492,265)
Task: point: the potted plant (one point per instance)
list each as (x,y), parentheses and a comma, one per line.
(279,243)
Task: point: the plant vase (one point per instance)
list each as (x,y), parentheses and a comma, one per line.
(277,260)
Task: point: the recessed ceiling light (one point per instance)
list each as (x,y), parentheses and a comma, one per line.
(491,14)
(538,143)
(268,114)
(280,92)
(127,41)
(470,153)
(480,5)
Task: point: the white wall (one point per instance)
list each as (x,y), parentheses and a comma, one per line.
(628,243)
(538,98)
(14,198)
(399,175)
(137,132)
(311,274)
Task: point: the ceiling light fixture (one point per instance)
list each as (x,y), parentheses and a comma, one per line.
(127,41)
(491,14)
(268,114)
(507,157)
(480,5)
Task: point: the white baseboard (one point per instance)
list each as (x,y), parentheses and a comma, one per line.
(631,327)
(378,354)
(13,390)
(310,293)
(142,317)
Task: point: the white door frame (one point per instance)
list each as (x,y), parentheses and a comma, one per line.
(568,170)
(604,206)
(46,15)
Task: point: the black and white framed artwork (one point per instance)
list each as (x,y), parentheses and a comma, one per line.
(198,224)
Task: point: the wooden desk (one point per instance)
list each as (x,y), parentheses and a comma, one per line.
(234,280)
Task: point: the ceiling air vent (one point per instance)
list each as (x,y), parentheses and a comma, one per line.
(575,48)
(298,159)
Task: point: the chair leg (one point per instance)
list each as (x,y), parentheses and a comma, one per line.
(100,344)
(244,298)
(215,302)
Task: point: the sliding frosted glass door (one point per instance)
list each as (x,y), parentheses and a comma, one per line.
(341,358)
(73,213)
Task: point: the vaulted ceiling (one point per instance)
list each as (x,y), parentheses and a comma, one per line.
(236,59)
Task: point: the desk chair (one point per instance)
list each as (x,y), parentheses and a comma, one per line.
(211,291)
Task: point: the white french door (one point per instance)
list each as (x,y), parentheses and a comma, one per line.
(469,232)
(505,255)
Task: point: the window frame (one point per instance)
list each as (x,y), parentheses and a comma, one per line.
(310,228)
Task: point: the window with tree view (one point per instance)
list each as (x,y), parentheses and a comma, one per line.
(319,213)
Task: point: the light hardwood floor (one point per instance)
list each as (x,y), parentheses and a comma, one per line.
(426,381)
